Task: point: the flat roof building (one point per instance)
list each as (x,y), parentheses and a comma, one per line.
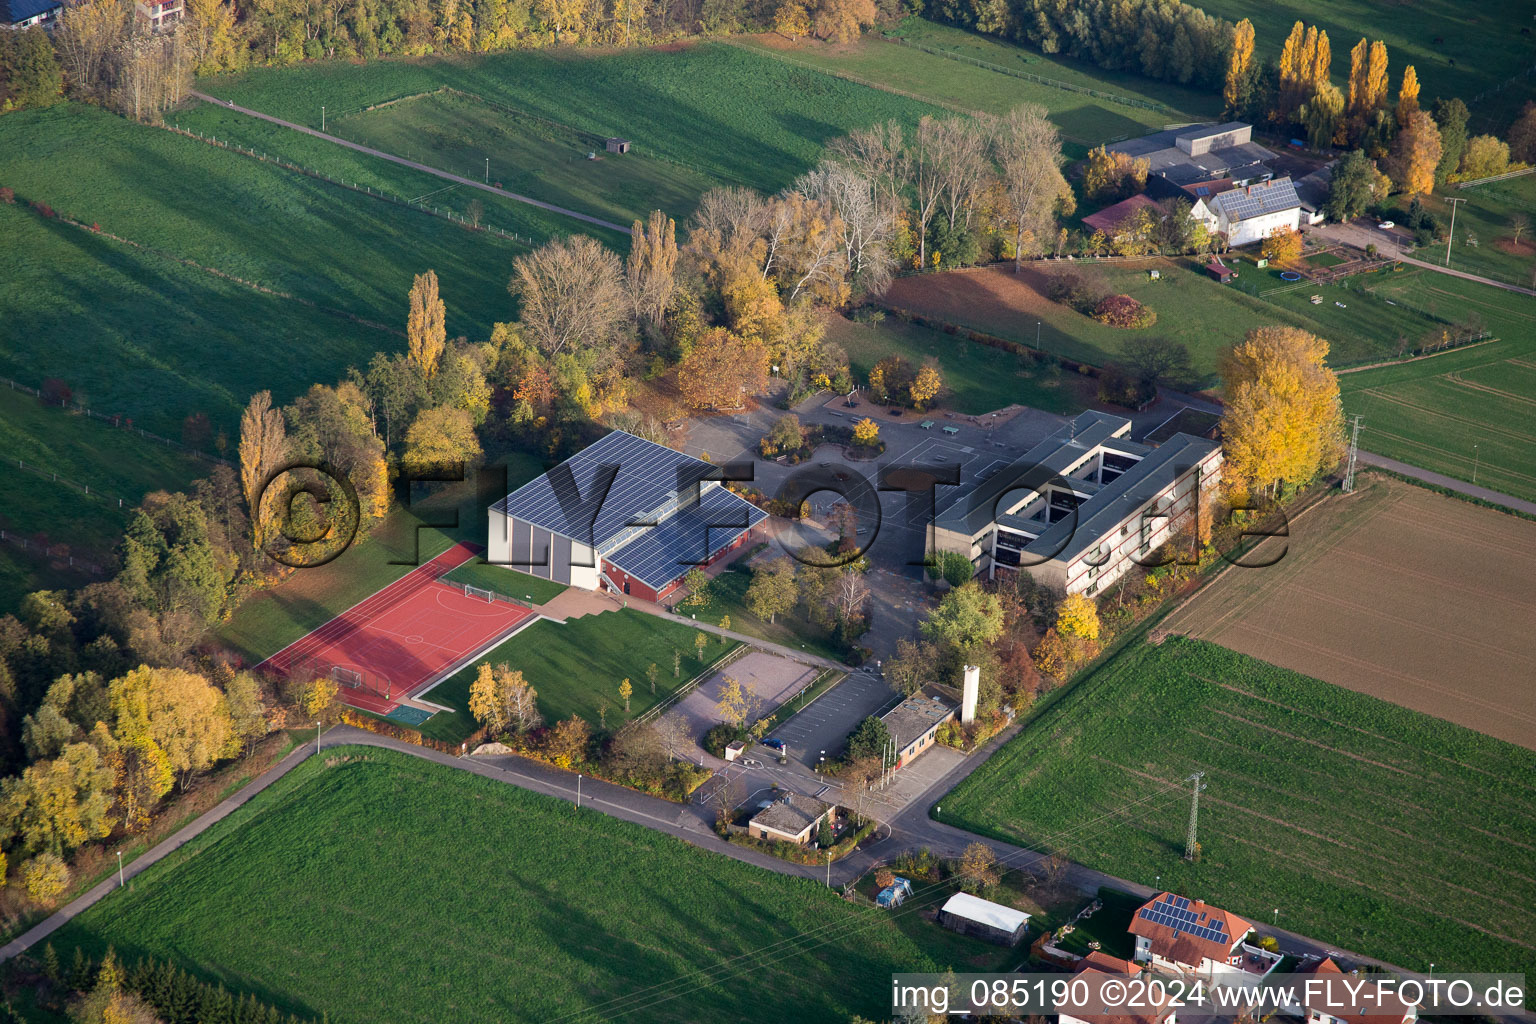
(1198,153)
(1080,507)
(625,515)
(914,723)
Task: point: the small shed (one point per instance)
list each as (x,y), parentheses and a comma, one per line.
(735,749)
(617,145)
(894,894)
(983,919)
(1219,272)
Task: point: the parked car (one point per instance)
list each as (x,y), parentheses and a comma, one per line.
(774,745)
(1386,225)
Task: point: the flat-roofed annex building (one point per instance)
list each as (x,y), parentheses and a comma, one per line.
(625,515)
(1128,499)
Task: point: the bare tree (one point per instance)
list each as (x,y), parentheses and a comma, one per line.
(652,266)
(851,594)
(727,220)
(879,155)
(1027,149)
(866,222)
(573,294)
(959,146)
(925,174)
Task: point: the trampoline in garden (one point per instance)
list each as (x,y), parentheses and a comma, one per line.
(1289,275)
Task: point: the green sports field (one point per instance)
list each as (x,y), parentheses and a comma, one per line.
(732,116)
(1431,412)
(373,886)
(1352,816)
(576,667)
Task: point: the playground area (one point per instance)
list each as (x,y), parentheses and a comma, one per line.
(403,638)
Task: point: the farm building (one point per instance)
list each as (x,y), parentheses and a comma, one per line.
(1080,507)
(983,919)
(1114,222)
(791,819)
(1084,1005)
(617,145)
(624,515)
(1252,213)
(1220,271)
(24,14)
(1182,156)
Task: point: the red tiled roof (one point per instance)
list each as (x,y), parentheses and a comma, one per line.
(1186,947)
(1328,969)
(1111,217)
(1096,967)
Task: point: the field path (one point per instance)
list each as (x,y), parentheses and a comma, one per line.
(413,165)
(1449,483)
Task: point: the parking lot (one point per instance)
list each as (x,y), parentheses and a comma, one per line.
(774,679)
(827,721)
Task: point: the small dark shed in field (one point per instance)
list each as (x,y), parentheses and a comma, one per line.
(618,145)
(1219,272)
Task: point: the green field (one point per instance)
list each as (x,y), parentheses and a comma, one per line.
(576,666)
(1482,47)
(727,114)
(272,227)
(528,156)
(1349,814)
(1191,309)
(1484,241)
(374,886)
(1431,412)
(114,463)
(977,378)
(1083,119)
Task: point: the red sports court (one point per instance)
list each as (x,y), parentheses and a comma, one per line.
(403,638)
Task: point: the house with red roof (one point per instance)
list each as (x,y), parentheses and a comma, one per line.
(1328,1004)
(1084,1006)
(1177,934)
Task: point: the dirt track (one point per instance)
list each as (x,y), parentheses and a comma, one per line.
(1419,599)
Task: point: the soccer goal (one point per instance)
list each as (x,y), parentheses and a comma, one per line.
(488,596)
(348,677)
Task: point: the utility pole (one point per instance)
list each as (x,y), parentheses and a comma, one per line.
(119,869)
(322,118)
(1476,461)
(1194,814)
(578,792)
(1354,454)
(487,170)
(1452,232)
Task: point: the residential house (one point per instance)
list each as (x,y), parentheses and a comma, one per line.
(160,13)
(1116,222)
(19,15)
(1083,1004)
(793,818)
(1188,937)
(1254,212)
(1326,1004)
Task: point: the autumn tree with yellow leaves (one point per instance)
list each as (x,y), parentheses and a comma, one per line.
(1283,420)
(262,449)
(426,333)
(1239,66)
(1407,96)
(722,370)
(1414,155)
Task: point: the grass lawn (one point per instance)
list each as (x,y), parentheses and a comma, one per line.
(371,885)
(577,666)
(1348,813)
(730,115)
(506,581)
(276,228)
(977,378)
(1484,242)
(1191,308)
(114,463)
(1484,43)
(528,156)
(727,596)
(1083,119)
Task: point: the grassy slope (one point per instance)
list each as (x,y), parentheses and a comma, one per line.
(977,379)
(280,229)
(577,666)
(1447,416)
(387,889)
(527,156)
(730,115)
(1485,219)
(1484,41)
(1083,120)
(1348,813)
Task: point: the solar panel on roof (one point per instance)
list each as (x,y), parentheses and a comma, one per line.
(662,553)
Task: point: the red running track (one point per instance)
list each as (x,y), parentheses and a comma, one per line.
(404,637)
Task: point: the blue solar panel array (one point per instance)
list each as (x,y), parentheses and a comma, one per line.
(662,553)
(644,483)
(1174,912)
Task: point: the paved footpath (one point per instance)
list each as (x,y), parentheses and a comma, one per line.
(435,172)
(1449,482)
